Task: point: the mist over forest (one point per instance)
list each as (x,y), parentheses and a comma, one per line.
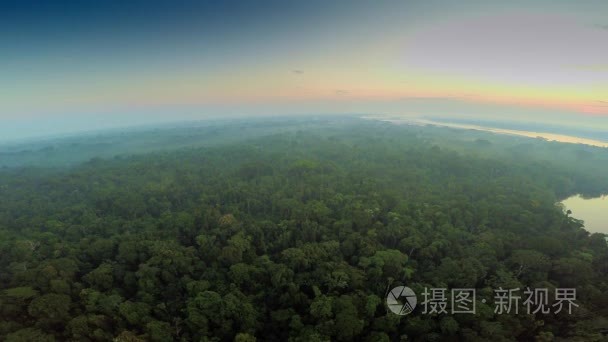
(301,171)
(294,229)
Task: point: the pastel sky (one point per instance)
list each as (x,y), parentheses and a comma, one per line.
(91,64)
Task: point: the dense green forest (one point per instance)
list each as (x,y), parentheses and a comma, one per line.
(295,230)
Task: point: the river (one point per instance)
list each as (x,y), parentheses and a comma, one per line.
(594,211)
(530,134)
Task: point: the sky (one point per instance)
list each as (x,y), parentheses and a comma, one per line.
(76,65)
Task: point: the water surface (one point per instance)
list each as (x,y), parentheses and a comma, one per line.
(593,211)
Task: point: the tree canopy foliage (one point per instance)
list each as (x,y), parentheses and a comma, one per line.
(297,234)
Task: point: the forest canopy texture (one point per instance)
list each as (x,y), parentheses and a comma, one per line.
(295,230)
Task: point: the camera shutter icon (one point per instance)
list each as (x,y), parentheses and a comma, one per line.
(401,300)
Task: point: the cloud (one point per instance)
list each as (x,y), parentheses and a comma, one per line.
(602,27)
(594,67)
(297,71)
(341,92)
(602,103)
